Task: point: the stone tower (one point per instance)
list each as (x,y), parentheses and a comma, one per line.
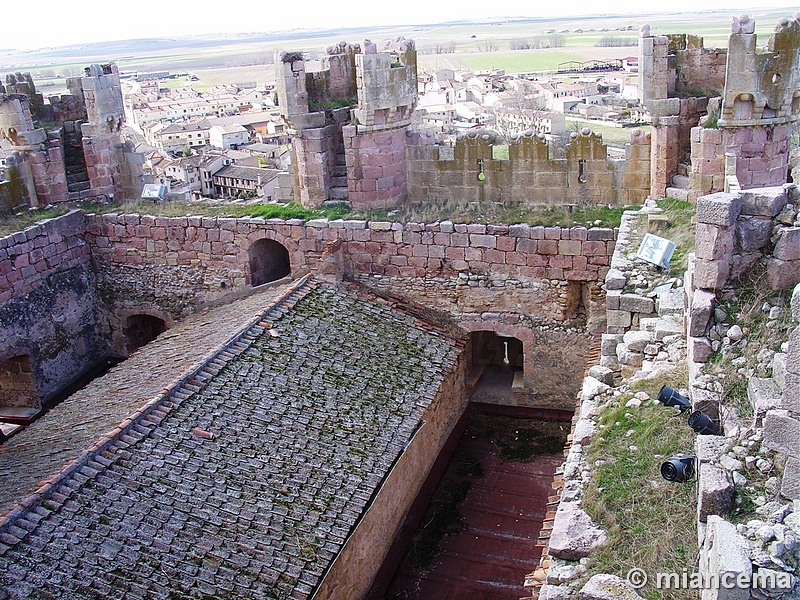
(348,122)
(712,106)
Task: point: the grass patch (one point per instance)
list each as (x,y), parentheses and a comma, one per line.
(650,522)
(490,212)
(12,223)
(681,230)
(292,210)
(749,308)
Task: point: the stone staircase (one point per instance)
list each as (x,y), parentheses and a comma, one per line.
(680,183)
(339,191)
(75,161)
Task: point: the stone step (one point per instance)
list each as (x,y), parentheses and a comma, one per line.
(340,171)
(339,181)
(677,193)
(78,186)
(339,193)
(680,182)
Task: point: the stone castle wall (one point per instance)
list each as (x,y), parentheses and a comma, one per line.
(585,176)
(540,284)
(49,309)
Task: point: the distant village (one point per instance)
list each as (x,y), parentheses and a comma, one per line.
(231,143)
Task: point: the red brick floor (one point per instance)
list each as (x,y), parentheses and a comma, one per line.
(503,514)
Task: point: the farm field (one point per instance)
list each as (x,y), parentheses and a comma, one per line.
(475,46)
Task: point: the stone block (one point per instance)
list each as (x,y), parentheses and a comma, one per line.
(615,279)
(667,326)
(627,357)
(783,274)
(719,209)
(636,303)
(787,244)
(779,370)
(700,312)
(715,493)
(790,484)
(765,202)
(709,448)
(795,303)
(713,241)
(764,395)
(569,247)
(782,432)
(636,341)
(699,349)
(670,302)
(574,535)
(752,233)
(793,352)
(618,318)
(726,556)
(602,374)
(710,274)
(608,344)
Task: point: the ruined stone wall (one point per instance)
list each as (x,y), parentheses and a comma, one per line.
(673,120)
(215,250)
(762,157)
(376,167)
(314,155)
(678,66)
(336,80)
(540,284)
(68,107)
(48,304)
(530,176)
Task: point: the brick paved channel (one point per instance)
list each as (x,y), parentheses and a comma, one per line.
(486,555)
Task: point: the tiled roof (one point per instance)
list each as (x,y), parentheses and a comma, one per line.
(245,481)
(247,173)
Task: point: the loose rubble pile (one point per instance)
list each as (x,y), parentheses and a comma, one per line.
(745,525)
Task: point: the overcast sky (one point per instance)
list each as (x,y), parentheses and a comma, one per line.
(56,22)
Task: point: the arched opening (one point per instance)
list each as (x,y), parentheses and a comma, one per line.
(18,384)
(140,330)
(269,261)
(497,366)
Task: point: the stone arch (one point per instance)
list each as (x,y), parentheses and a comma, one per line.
(268,260)
(495,340)
(522,333)
(140,329)
(18,388)
(137,317)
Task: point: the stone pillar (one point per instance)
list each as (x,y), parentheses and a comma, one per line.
(664,154)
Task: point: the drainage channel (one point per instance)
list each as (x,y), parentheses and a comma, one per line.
(477,532)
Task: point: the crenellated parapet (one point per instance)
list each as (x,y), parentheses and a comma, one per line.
(762,87)
(467,171)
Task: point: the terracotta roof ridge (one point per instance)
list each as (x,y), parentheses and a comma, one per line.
(192,380)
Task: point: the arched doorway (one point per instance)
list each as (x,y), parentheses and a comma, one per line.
(18,383)
(140,330)
(497,366)
(269,261)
